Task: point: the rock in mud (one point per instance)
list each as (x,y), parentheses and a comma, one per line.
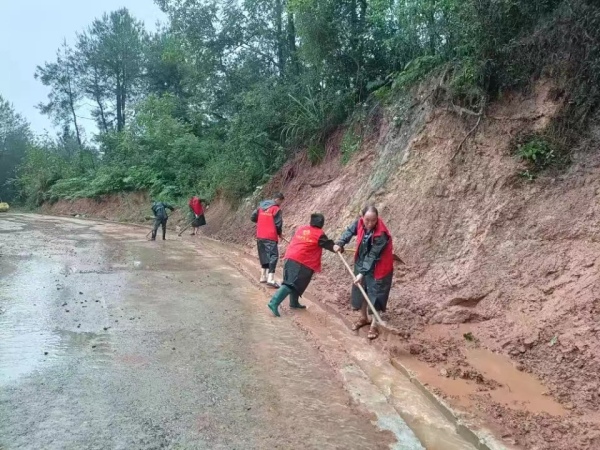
(456,315)
(416,349)
(530,342)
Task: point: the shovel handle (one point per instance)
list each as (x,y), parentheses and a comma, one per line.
(185,228)
(373,310)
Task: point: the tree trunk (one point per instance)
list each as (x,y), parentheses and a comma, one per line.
(291,42)
(98,98)
(431,27)
(123,101)
(119,103)
(279,37)
(72,106)
(353,28)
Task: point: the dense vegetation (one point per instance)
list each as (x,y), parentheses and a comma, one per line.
(216,101)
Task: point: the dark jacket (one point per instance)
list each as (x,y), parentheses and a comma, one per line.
(369,250)
(159,209)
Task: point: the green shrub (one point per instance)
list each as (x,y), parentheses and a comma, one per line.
(416,70)
(350,145)
(538,154)
(316,153)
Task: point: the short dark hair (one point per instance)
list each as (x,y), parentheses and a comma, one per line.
(279,196)
(317,220)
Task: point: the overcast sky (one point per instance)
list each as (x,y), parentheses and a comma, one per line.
(32,30)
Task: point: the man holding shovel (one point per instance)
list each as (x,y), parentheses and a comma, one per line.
(303,259)
(373,265)
(160,218)
(269,226)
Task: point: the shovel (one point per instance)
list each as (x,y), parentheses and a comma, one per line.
(185,228)
(362,290)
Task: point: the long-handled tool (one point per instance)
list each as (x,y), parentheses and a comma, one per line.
(375,313)
(185,228)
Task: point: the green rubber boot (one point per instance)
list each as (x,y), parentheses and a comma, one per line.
(279,297)
(294,301)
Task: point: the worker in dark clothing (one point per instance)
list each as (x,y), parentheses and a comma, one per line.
(197,210)
(269,226)
(303,259)
(160,218)
(373,265)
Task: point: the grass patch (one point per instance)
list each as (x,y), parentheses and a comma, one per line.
(350,145)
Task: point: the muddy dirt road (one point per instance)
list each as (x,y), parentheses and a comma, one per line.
(111,341)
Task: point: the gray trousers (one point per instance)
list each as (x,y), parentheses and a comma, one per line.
(378,292)
(268,254)
(160,221)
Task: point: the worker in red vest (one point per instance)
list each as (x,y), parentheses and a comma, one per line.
(269,226)
(197,210)
(303,258)
(373,265)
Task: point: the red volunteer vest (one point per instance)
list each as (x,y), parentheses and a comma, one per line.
(385,265)
(265,225)
(196,206)
(304,247)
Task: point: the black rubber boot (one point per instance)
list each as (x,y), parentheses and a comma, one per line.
(294,301)
(279,297)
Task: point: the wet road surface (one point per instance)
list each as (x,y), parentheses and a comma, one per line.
(109,341)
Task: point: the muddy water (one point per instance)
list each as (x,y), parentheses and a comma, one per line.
(517,389)
(110,341)
(512,388)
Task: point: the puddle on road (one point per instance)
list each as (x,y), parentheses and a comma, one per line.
(9,227)
(30,299)
(23,335)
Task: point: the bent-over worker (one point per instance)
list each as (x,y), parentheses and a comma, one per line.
(160,218)
(197,210)
(303,259)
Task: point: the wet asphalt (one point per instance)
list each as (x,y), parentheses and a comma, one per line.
(110,341)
